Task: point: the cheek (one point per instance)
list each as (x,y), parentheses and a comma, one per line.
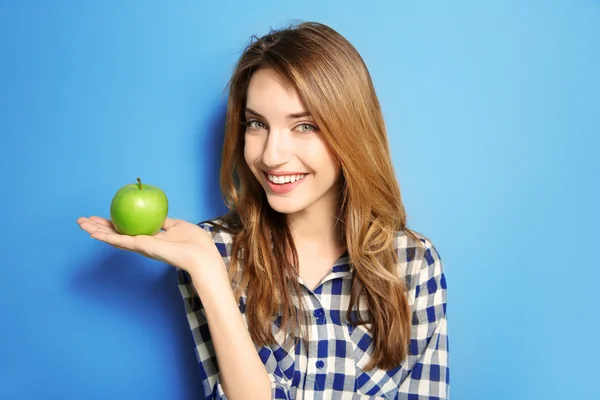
(332,161)
(321,159)
(251,150)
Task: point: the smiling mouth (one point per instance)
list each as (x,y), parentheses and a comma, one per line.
(283,179)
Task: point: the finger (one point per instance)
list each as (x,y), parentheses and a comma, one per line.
(160,235)
(101,221)
(103,234)
(91,227)
(121,241)
(99,224)
(169,222)
(94,219)
(90,221)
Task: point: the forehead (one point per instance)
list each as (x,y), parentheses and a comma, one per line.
(269,92)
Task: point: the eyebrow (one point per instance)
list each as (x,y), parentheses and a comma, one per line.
(289,116)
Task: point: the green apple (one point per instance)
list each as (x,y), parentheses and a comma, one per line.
(139,209)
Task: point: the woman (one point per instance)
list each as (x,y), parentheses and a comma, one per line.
(311,286)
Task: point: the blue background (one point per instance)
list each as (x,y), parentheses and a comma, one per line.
(493,115)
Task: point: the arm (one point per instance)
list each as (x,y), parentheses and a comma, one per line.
(428,354)
(229,363)
(241,370)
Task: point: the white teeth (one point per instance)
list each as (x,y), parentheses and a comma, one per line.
(285,179)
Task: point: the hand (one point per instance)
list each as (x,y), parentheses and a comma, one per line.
(181,244)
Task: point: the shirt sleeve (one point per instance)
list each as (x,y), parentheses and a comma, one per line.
(428,376)
(205,351)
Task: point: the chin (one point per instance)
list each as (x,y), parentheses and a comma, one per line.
(284,205)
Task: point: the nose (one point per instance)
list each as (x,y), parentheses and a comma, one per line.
(278,149)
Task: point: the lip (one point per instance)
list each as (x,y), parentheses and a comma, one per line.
(284,173)
(283,188)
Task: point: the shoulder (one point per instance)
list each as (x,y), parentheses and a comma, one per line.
(222,230)
(218,226)
(419,260)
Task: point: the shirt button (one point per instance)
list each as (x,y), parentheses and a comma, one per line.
(318,313)
(320,364)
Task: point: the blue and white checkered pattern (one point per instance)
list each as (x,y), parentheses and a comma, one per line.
(332,365)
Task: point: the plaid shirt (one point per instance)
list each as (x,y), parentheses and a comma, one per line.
(332,365)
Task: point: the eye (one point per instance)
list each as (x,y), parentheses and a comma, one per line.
(306,128)
(255,125)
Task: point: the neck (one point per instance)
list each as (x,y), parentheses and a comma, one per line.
(317,227)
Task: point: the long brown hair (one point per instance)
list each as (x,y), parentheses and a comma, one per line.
(336,88)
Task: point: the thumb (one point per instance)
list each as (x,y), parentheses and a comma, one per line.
(169,223)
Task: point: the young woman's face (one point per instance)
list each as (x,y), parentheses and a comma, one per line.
(285,150)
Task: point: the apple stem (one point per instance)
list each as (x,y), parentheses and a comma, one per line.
(139,183)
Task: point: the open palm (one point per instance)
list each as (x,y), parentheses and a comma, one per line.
(180,243)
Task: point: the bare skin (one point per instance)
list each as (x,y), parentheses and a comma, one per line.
(187,246)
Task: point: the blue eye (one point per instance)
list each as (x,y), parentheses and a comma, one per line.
(254,124)
(307,128)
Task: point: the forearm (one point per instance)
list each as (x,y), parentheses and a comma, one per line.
(241,370)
